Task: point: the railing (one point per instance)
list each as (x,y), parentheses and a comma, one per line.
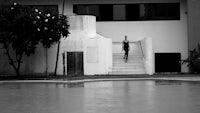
(117,47)
(141,49)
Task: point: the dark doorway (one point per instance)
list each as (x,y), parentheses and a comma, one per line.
(167,62)
(75,64)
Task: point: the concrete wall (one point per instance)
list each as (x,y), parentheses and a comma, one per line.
(194,23)
(149,62)
(168,36)
(98,55)
(83,38)
(36,63)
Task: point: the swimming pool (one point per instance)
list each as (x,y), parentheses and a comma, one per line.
(146,96)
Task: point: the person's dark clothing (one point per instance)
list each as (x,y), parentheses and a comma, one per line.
(126,49)
(126,46)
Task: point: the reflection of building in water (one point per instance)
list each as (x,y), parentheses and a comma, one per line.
(98,27)
(168,82)
(75,85)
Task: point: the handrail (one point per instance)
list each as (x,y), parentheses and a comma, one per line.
(134,42)
(141,49)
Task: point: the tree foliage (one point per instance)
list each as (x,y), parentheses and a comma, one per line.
(193,61)
(22,28)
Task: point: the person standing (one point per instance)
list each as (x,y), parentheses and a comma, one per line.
(125,47)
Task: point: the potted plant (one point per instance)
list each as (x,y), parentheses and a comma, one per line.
(193,61)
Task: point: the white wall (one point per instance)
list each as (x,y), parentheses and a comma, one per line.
(168,36)
(35,63)
(147,47)
(98,56)
(83,38)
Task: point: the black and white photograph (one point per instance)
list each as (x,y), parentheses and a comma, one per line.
(99,56)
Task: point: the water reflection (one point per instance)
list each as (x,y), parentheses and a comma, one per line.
(75,85)
(101,97)
(167,82)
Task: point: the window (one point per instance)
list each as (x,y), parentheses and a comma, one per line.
(165,11)
(106,12)
(130,12)
(133,12)
(119,12)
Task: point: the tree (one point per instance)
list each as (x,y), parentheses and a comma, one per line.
(23,28)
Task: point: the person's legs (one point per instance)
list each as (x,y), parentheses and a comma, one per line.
(126,55)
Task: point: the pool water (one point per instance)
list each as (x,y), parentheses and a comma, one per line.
(101,97)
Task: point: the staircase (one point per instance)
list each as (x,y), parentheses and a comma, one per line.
(134,64)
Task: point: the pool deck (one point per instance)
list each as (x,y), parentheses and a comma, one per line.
(64,79)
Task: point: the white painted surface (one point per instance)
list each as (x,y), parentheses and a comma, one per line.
(147,47)
(97,55)
(83,38)
(134,64)
(167,36)
(96,49)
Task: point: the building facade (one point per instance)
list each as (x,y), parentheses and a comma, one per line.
(171,25)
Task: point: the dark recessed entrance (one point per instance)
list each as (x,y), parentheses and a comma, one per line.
(167,62)
(75,64)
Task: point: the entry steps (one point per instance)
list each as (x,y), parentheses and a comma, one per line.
(134,64)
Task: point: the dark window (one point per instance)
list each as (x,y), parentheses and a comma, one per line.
(119,12)
(130,12)
(106,13)
(133,12)
(174,11)
(146,12)
(167,62)
(166,11)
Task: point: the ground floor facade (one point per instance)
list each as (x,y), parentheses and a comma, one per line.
(96,37)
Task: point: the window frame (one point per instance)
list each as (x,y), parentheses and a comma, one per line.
(152,17)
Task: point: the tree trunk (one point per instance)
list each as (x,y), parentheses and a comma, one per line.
(17,72)
(58,51)
(58,48)
(15,64)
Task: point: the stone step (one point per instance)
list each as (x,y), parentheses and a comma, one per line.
(129,59)
(127,64)
(131,53)
(129,56)
(134,64)
(121,54)
(126,72)
(128,67)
